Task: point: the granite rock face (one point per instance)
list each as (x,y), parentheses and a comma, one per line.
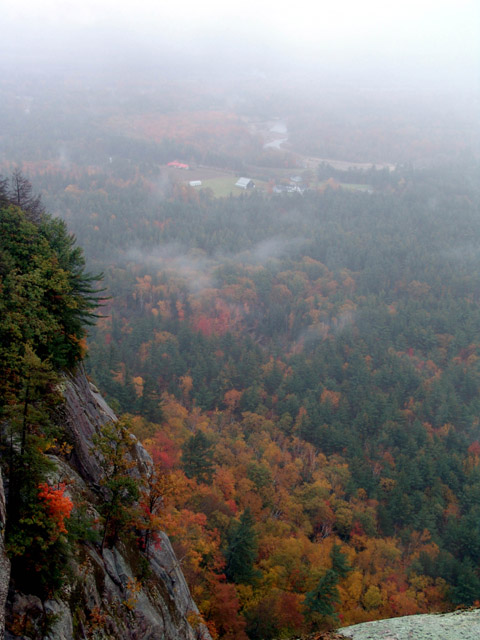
(115,593)
(4,561)
(458,625)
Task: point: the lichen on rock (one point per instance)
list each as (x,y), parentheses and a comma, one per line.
(458,625)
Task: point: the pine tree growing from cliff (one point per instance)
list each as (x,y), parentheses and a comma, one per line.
(46,299)
(113,446)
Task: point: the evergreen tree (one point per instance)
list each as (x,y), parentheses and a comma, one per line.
(242,551)
(21,194)
(321,600)
(3,191)
(340,563)
(197,458)
(467,584)
(46,298)
(113,447)
(45,301)
(150,404)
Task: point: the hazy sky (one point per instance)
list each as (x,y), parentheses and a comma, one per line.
(442,33)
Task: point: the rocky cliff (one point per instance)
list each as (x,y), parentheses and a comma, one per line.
(457,625)
(115,592)
(4,562)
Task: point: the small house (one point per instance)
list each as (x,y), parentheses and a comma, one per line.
(178,165)
(245,183)
(195,183)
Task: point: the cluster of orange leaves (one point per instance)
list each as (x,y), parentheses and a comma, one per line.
(58,505)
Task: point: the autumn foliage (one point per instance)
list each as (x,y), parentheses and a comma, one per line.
(311,361)
(57,504)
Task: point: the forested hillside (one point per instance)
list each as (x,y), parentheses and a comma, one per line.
(82,554)
(304,371)
(301,360)
(282,208)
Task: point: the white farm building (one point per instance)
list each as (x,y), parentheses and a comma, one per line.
(245,183)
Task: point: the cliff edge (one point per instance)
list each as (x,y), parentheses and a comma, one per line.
(113,591)
(457,625)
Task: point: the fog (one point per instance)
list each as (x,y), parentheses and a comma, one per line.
(389,80)
(370,42)
(197,269)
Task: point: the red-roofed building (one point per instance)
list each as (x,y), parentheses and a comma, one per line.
(178,165)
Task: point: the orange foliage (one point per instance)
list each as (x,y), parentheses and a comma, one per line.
(332,397)
(231,399)
(164,451)
(224,610)
(138,386)
(298,499)
(58,505)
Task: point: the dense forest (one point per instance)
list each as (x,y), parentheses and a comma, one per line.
(304,371)
(303,367)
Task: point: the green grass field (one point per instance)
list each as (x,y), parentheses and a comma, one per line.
(356,187)
(221,187)
(224,186)
(343,185)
